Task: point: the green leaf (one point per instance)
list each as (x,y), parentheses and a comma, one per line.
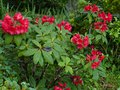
(76,57)
(62,64)
(29,52)
(58,48)
(48,57)
(38,58)
(98,37)
(36,43)
(67,60)
(8,39)
(22,47)
(18,39)
(104,39)
(56,54)
(69,69)
(34,27)
(53,35)
(89,18)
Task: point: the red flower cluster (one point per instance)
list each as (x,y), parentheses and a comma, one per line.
(77,80)
(15,25)
(47,19)
(105,17)
(80,42)
(95,55)
(61,87)
(102,26)
(93,8)
(66,26)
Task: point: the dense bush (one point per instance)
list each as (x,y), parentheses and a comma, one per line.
(45,52)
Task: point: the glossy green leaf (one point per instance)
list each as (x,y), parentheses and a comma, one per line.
(18,39)
(36,43)
(56,54)
(62,64)
(58,48)
(104,39)
(38,58)
(69,69)
(8,39)
(90,18)
(47,56)
(67,60)
(29,52)
(76,57)
(98,37)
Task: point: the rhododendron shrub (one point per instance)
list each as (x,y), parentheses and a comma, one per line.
(47,53)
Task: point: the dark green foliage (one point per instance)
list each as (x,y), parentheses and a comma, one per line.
(39,5)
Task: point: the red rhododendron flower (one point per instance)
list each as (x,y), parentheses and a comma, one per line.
(47,19)
(102,15)
(51,19)
(94,52)
(79,41)
(100,26)
(15,25)
(101,57)
(80,46)
(57,88)
(87,8)
(95,8)
(75,38)
(104,27)
(99,53)
(68,27)
(62,85)
(44,19)
(77,80)
(65,25)
(109,17)
(95,55)
(105,17)
(97,25)
(86,41)
(95,65)
(18,16)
